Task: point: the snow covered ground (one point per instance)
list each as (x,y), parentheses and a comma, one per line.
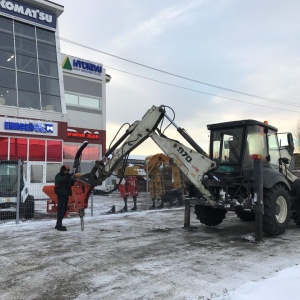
(146,255)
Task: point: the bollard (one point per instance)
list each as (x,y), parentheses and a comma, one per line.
(258,207)
(187,214)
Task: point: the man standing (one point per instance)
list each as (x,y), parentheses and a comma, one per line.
(63,183)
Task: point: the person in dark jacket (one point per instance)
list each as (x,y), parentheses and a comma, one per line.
(63,183)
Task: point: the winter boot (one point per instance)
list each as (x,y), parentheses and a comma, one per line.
(134,203)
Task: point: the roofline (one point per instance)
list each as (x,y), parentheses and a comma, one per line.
(47,5)
(239,123)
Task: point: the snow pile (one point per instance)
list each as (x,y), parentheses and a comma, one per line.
(283,285)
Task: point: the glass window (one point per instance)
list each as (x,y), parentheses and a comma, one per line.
(18,148)
(8,96)
(51,103)
(52,170)
(54,151)
(47,52)
(7,42)
(71,99)
(27,63)
(45,36)
(49,86)
(70,151)
(91,153)
(7,78)
(36,174)
(6,25)
(90,102)
(36,150)
(24,30)
(28,82)
(257,142)
(25,46)
(29,100)
(273,147)
(3,148)
(7,59)
(48,68)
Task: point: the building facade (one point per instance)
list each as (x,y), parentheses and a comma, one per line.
(49,102)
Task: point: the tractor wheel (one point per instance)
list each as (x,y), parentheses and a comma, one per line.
(246,216)
(276,210)
(210,216)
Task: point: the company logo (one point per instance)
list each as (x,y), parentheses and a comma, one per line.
(67,64)
(29,127)
(81,66)
(27,12)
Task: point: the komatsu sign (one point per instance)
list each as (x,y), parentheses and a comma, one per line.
(28,12)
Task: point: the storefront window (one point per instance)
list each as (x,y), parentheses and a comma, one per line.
(18,148)
(3,148)
(70,151)
(54,150)
(52,170)
(36,150)
(36,174)
(91,153)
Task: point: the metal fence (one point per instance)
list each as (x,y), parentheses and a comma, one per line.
(23,202)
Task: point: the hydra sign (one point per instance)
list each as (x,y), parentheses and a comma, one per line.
(28,13)
(82,67)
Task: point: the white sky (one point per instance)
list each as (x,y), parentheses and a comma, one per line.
(248,46)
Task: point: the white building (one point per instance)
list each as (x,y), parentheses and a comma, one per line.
(49,102)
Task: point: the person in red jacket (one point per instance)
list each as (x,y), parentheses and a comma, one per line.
(63,182)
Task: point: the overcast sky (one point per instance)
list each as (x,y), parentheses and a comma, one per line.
(247,46)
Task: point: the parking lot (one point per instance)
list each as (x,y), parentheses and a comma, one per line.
(137,255)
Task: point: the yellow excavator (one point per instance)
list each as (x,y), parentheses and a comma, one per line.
(166,182)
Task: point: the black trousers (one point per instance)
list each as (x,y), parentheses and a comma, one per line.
(62,207)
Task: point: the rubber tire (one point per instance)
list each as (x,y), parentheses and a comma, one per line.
(246,216)
(210,216)
(276,210)
(29,208)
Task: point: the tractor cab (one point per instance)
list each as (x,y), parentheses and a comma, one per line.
(234,144)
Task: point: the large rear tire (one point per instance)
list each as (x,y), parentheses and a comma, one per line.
(210,216)
(276,210)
